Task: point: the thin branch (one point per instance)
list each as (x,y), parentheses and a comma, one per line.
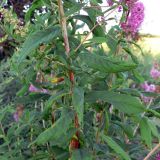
(64,27)
(99,7)
(96,25)
(152,152)
(86,37)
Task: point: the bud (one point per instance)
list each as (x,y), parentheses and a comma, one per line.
(71,76)
(74,144)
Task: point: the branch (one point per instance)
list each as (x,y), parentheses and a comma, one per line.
(64,26)
(152,151)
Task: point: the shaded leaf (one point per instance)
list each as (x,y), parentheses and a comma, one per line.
(78,102)
(106,64)
(112,144)
(37,38)
(81,154)
(98,31)
(125,103)
(59,128)
(146,132)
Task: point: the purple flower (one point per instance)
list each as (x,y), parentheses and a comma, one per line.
(148,88)
(110,2)
(145,86)
(32,88)
(155,73)
(100,19)
(146,99)
(130,3)
(134,19)
(120,8)
(158,156)
(16,117)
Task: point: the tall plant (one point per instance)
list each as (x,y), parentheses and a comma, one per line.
(76,101)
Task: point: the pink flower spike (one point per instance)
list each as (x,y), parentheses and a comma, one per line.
(135,18)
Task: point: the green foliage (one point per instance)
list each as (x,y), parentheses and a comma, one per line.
(116,147)
(73,103)
(124,103)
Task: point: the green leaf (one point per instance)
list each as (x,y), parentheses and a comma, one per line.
(81,154)
(94,13)
(78,103)
(153,129)
(105,64)
(74,9)
(126,128)
(138,77)
(32,97)
(112,144)
(35,39)
(125,103)
(59,128)
(98,31)
(52,99)
(36,4)
(146,132)
(111,39)
(134,58)
(98,39)
(23,90)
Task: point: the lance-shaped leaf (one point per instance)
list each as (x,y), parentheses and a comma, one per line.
(112,144)
(59,128)
(78,102)
(125,103)
(146,132)
(35,39)
(106,64)
(81,154)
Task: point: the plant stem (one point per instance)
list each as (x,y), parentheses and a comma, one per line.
(96,25)
(152,151)
(86,37)
(64,27)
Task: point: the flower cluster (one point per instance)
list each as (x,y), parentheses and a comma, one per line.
(32,88)
(134,19)
(155,74)
(148,87)
(155,71)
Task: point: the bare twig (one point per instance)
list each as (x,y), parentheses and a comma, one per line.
(152,151)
